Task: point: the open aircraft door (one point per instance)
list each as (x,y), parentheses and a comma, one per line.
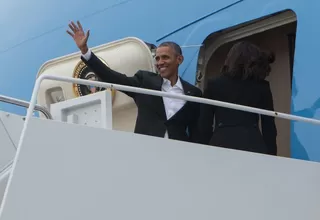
(126,56)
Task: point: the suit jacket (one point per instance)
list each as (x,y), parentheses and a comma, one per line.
(151,118)
(234,128)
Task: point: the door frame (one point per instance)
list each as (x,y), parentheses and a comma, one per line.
(236,33)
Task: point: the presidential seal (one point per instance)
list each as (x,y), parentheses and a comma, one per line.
(82,71)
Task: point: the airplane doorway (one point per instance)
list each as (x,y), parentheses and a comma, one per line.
(279,39)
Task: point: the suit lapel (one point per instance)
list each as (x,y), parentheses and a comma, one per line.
(158,100)
(187,91)
(186,87)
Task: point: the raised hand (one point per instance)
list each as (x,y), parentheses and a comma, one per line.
(78,35)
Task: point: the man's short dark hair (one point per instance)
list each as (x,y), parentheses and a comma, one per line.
(173,45)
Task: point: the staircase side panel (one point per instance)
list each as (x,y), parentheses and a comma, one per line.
(84,173)
(4,176)
(13,124)
(8,138)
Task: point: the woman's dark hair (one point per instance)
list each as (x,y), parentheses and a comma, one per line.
(247,61)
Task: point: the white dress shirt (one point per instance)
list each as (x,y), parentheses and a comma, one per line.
(172,106)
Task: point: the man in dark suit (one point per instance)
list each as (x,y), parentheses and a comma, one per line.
(157,116)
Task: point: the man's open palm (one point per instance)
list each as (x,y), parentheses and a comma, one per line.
(78,35)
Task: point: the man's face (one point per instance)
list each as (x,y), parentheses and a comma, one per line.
(167,61)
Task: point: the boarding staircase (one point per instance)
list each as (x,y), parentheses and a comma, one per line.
(73,165)
(10,130)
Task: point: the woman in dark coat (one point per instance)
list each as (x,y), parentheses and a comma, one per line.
(242,82)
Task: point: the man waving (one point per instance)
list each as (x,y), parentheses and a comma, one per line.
(157,116)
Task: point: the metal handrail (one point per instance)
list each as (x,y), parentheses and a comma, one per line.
(154,93)
(25,104)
